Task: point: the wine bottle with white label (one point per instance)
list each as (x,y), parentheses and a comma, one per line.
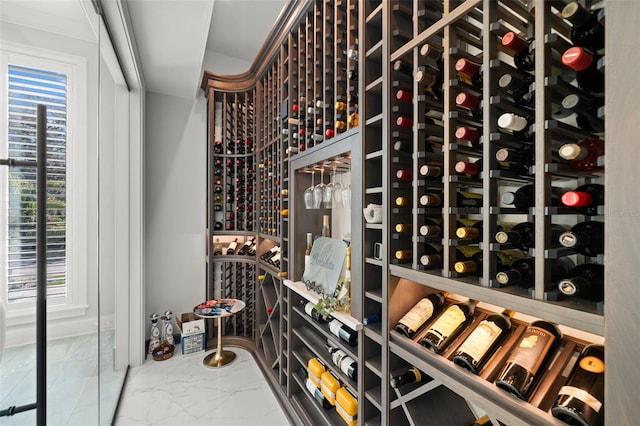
(448,326)
(480,345)
(581,400)
(419,314)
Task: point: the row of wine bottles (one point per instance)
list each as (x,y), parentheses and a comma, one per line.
(526,362)
(586,199)
(329,391)
(336,328)
(247,249)
(273,256)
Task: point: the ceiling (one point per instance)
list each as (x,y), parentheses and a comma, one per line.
(173,36)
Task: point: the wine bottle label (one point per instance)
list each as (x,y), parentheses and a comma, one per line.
(581,395)
(418,315)
(311,386)
(308,308)
(347,366)
(335,326)
(337,357)
(448,322)
(481,339)
(468,251)
(507,257)
(592,364)
(531,351)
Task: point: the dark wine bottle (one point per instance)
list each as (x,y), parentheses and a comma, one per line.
(431,227)
(583,156)
(586,238)
(524,197)
(419,314)
(586,111)
(448,325)
(585,198)
(469,168)
(231,249)
(469,134)
(530,357)
(522,272)
(343,361)
(432,257)
(412,375)
(522,57)
(581,400)
(480,345)
(474,231)
(522,235)
(589,77)
(343,332)
(246,246)
(517,160)
(431,170)
(585,280)
(587,30)
(518,87)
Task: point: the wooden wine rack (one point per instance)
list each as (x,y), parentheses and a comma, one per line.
(306,70)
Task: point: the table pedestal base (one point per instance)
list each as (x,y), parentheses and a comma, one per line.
(215,360)
(219,358)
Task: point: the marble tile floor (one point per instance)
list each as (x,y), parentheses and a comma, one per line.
(76,395)
(181,391)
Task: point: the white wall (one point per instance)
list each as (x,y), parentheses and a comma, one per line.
(175,202)
(175,195)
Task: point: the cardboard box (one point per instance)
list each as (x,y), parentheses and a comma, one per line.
(192,333)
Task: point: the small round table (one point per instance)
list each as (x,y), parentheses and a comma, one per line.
(219,308)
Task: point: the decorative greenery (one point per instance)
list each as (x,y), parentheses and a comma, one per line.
(329,304)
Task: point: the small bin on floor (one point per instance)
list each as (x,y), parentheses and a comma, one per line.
(192,333)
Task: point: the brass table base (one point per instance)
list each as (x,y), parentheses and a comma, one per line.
(220,357)
(214,360)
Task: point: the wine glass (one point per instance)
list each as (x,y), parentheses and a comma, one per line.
(346,195)
(327,198)
(308,194)
(337,191)
(318,191)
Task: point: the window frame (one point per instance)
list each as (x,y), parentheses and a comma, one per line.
(75,67)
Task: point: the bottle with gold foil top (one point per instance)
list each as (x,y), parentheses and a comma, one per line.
(473,266)
(480,345)
(404,255)
(448,326)
(402,228)
(417,316)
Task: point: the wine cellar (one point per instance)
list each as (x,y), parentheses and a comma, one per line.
(477,128)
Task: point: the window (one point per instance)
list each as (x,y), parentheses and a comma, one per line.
(56,80)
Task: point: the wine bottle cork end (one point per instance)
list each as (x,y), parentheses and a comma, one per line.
(502,237)
(568,239)
(514,42)
(576,199)
(567,287)
(502,278)
(577,58)
(569,151)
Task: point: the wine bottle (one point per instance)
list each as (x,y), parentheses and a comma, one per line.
(310,309)
(524,197)
(517,125)
(431,80)
(469,72)
(307,251)
(431,227)
(231,249)
(518,86)
(469,134)
(412,375)
(586,111)
(522,235)
(217,248)
(343,332)
(589,77)
(325,226)
(252,250)
(343,361)
(246,246)
(317,394)
(585,198)
(432,257)
(344,296)
(431,170)
(529,358)
(522,272)
(517,160)
(272,251)
(586,31)
(480,345)
(469,168)
(405,122)
(402,228)
(471,103)
(411,322)
(404,255)
(522,57)
(581,400)
(585,280)
(402,146)
(404,174)
(403,201)
(583,156)
(432,51)
(586,238)
(448,325)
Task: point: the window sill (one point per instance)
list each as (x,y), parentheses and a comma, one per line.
(55,312)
